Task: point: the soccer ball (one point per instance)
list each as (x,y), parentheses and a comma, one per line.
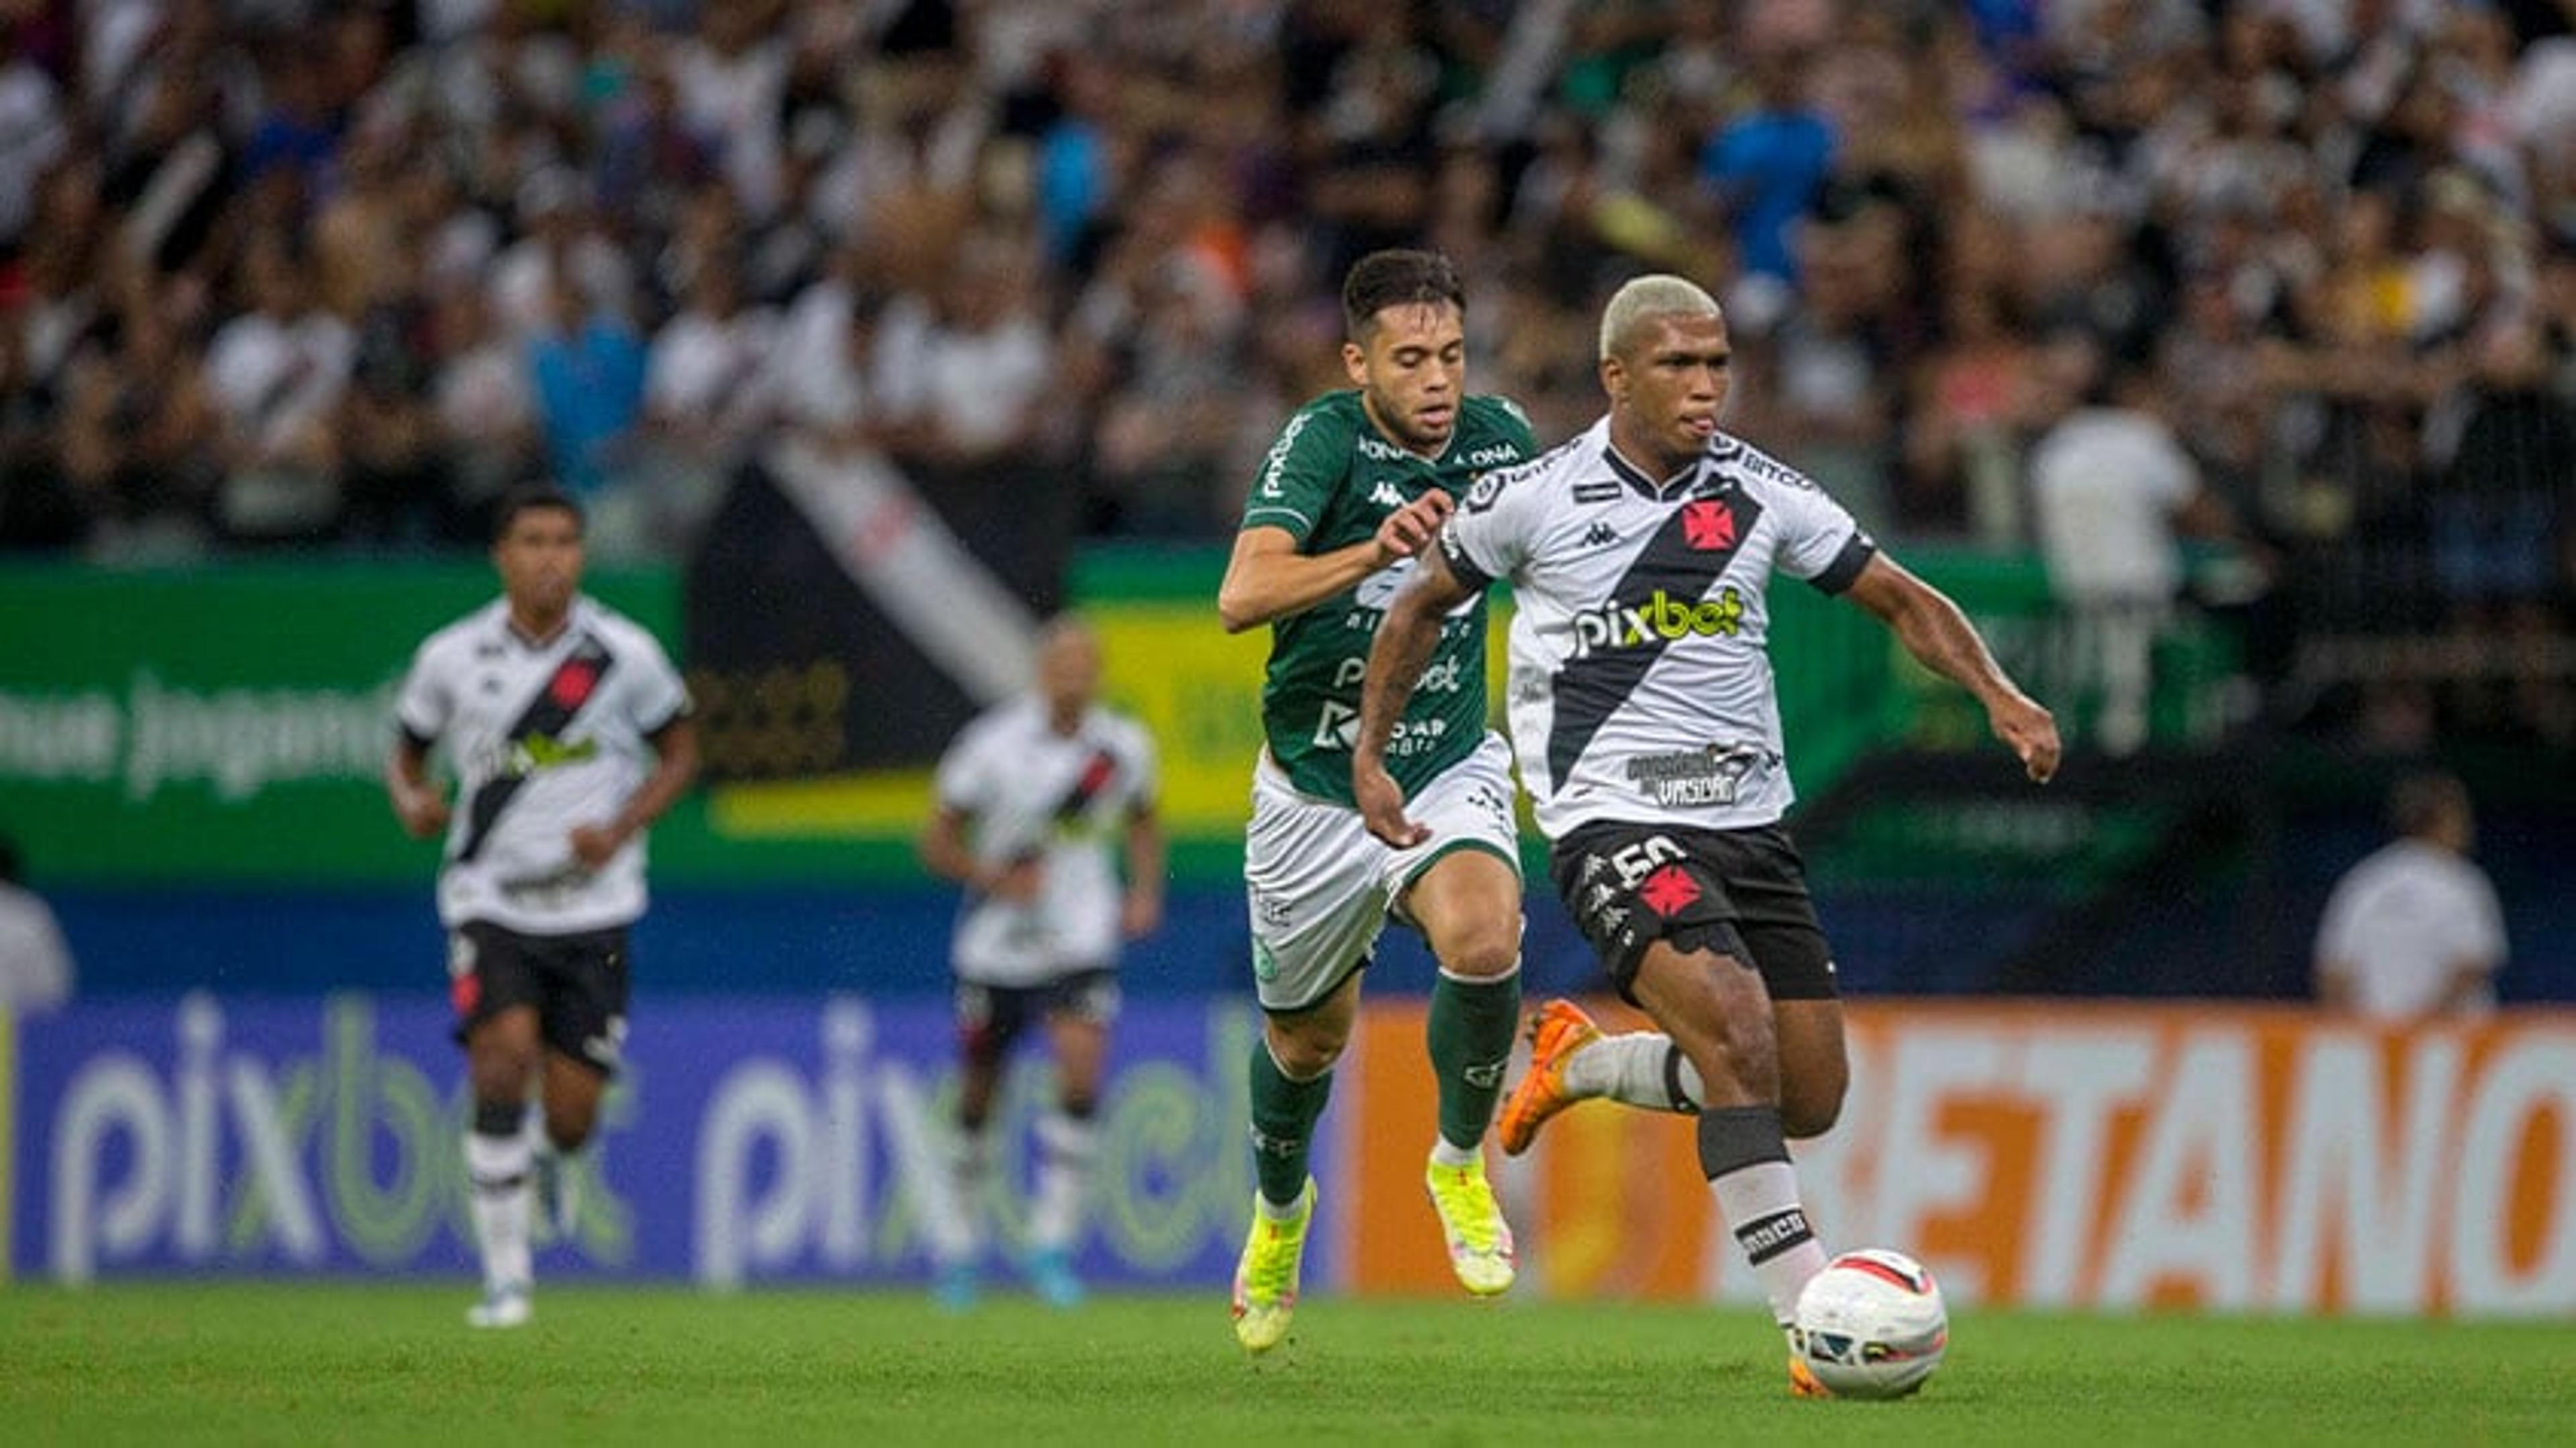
(1871,1325)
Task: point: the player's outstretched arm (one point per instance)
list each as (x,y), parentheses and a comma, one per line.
(1397,657)
(1268,578)
(1934,630)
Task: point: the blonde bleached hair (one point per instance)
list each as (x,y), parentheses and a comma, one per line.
(1660,295)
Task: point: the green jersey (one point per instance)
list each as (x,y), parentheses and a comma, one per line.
(1330,480)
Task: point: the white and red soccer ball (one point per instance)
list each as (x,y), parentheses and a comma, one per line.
(1871,1325)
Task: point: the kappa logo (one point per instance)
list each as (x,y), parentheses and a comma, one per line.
(1386,495)
(1600,535)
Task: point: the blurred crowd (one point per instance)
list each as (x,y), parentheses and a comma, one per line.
(2296,273)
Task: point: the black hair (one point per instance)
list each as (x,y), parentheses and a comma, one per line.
(1397,278)
(529,498)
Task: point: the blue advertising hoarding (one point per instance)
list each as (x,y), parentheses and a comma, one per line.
(751,1140)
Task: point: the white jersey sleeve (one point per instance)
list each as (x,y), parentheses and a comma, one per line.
(427,700)
(656,695)
(1819,541)
(1490,535)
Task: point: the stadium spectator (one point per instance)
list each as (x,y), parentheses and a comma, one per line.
(2305,218)
(2114,492)
(36,971)
(2414,930)
(277,371)
(1043,804)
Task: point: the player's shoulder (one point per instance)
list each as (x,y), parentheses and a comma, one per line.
(1125,730)
(1331,420)
(1487,415)
(1006,725)
(1754,470)
(621,633)
(1551,471)
(461,640)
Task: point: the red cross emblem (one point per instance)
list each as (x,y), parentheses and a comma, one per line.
(1667,890)
(1708,525)
(572,683)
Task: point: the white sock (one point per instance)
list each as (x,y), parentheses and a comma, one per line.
(1636,1068)
(1760,1204)
(1066,1146)
(497,1179)
(957,1233)
(1445,1154)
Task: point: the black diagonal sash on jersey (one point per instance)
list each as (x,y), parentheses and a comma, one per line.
(1684,561)
(569,687)
(1097,771)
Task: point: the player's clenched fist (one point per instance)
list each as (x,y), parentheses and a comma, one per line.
(1409,529)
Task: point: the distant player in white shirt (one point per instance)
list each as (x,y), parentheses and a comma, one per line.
(2414,930)
(1647,727)
(1041,801)
(36,971)
(567,733)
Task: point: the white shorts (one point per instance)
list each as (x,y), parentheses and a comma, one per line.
(1321,886)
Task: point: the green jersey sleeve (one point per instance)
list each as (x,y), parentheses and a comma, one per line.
(1302,470)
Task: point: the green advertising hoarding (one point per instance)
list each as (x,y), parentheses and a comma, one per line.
(228,724)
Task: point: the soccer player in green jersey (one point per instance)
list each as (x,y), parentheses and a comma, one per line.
(1349,497)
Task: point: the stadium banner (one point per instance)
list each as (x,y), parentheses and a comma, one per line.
(2112,1158)
(749,1141)
(225,724)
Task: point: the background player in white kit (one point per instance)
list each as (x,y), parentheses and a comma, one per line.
(1648,733)
(567,732)
(1040,801)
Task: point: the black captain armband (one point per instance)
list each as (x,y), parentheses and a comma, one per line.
(1844,571)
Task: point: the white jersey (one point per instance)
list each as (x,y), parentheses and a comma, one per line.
(2402,921)
(1640,692)
(1064,799)
(542,739)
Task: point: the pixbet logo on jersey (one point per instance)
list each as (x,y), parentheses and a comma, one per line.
(1661,618)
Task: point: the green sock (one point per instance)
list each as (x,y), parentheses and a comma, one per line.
(1472,1022)
(1283,1123)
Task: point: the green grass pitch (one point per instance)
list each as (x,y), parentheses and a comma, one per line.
(377,1364)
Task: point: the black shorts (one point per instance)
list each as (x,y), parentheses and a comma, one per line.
(1738,892)
(991,1017)
(576,982)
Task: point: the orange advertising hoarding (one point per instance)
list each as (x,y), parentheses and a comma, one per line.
(2218,1157)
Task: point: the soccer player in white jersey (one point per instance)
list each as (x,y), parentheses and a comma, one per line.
(1648,733)
(1348,498)
(567,733)
(1039,802)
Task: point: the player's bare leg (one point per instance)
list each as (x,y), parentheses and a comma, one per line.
(1714,1006)
(571,1094)
(958,1244)
(1572,1059)
(501,1055)
(1068,1143)
(1815,1070)
(1468,905)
